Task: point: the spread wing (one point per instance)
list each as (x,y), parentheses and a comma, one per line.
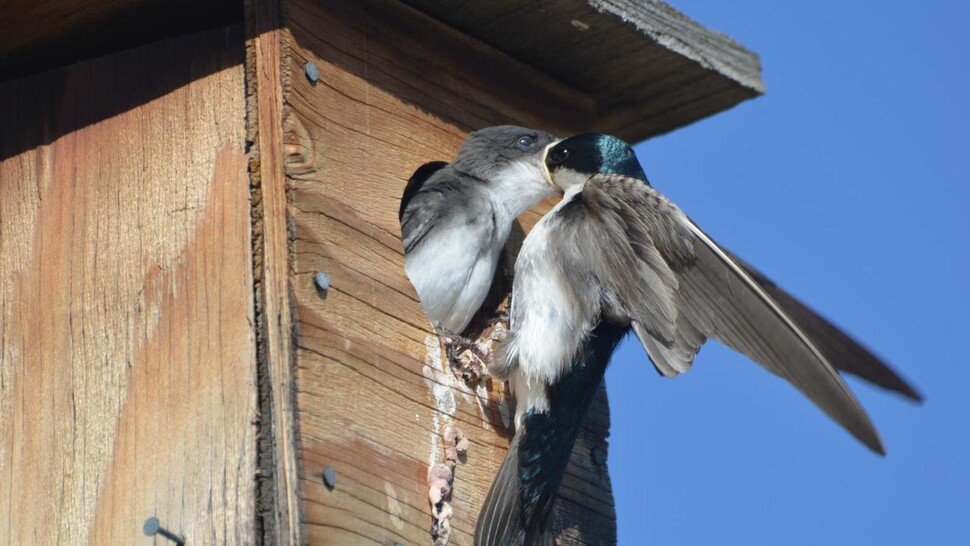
(845,353)
(714,296)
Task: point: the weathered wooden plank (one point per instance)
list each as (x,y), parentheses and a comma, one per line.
(280,511)
(127,362)
(649,68)
(39,35)
(396,89)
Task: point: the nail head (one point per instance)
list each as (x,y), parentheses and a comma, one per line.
(151,527)
(322,281)
(311,71)
(329,477)
(599,455)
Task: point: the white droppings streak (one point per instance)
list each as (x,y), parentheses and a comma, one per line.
(394,510)
(441,384)
(481,395)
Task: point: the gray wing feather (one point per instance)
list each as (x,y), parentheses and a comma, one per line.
(629,274)
(677,357)
(717,299)
(727,305)
(845,353)
(420,216)
(419,208)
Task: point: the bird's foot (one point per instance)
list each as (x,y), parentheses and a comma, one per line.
(500,321)
(466,358)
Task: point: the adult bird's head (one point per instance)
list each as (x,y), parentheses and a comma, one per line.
(571,162)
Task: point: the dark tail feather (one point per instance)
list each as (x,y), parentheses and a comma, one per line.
(499,523)
(519,504)
(845,353)
(502,521)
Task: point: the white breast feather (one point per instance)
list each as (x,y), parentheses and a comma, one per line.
(547,328)
(451,277)
(528,395)
(453,270)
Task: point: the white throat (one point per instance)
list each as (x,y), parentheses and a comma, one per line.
(519,186)
(570,180)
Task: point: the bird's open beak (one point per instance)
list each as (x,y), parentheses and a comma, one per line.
(545,168)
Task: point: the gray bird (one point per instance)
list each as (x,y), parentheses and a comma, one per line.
(455,218)
(614,256)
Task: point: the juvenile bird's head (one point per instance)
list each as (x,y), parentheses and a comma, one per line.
(572,161)
(494,148)
(508,161)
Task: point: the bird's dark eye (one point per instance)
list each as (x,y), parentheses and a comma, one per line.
(558,155)
(525,142)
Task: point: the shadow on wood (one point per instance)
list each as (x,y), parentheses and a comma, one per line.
(58,102)
(39,36)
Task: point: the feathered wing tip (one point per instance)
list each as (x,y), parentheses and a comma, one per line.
(845,353)
(500,521)
(716,298)
(738,312)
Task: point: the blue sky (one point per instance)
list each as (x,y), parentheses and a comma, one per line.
(848,184)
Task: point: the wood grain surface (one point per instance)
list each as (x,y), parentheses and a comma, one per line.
(648,68)
(164,351)
(127,361)
(40,35)
(397,89)
(279,510)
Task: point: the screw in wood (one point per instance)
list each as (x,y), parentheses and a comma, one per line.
(329,477)
(312,74)
(322,281)
(152,527)
(599,455)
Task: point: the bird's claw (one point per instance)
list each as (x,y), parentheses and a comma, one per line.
(501,319)
(465,357)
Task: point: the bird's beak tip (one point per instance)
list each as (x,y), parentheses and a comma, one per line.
(545,168)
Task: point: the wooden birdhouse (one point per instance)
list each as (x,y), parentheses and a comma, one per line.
(205,324)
